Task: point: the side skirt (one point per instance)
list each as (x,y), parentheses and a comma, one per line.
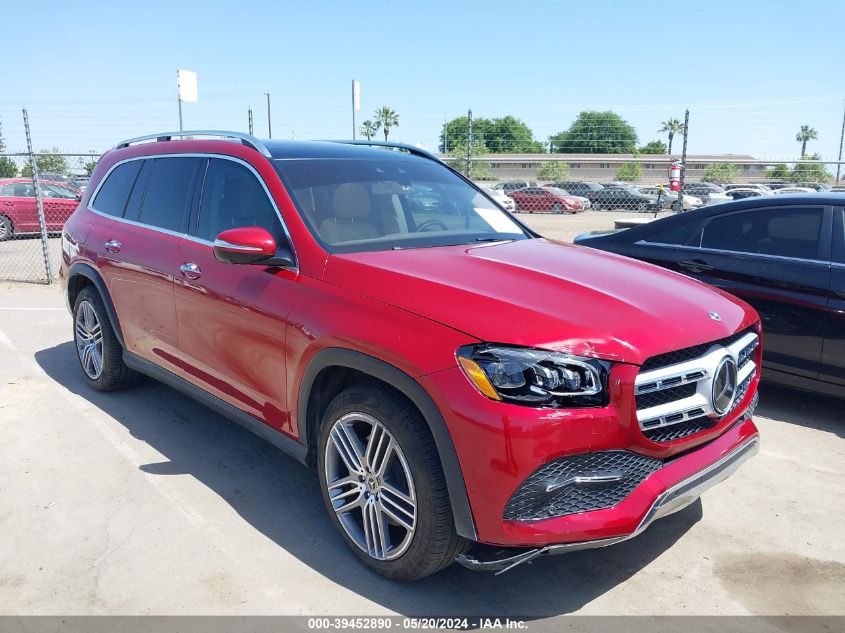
(278,439)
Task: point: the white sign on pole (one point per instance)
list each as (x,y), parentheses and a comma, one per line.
(356,95)
(186,81)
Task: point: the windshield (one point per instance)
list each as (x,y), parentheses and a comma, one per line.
(353,205)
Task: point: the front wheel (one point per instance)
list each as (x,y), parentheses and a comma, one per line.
(383,485)
(557,208)
(641,207)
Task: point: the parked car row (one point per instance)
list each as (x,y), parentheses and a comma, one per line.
(627,196)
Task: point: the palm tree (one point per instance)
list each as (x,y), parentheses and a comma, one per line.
(368,129)
(806,134)
(386,118)
(672,127)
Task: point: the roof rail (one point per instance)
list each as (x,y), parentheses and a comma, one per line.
(411,149)
(246,139)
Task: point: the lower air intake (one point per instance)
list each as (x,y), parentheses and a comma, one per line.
(579,483)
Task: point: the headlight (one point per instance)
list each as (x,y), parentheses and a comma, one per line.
(535,377)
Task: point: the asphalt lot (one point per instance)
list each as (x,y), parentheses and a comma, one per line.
(145,502)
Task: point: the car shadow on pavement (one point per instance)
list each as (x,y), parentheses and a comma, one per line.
(280,498)
(810,410)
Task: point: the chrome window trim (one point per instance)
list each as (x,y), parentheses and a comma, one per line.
(188,236)
(764,255)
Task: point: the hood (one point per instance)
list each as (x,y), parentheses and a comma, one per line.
(540,293)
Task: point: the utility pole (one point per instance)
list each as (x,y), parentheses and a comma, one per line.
(269,122)
(469,144)
(180,112)
(841,137)
(250,120)
(445,135)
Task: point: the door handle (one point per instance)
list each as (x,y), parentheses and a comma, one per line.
(113,246)
(191,270)
(695,265)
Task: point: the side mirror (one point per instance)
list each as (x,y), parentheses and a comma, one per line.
(250,245)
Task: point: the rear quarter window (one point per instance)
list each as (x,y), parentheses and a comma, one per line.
(114,192)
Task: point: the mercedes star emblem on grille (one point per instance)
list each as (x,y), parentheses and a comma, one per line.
(715,316)
(724,385)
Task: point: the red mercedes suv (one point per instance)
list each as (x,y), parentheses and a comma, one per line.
(465,389)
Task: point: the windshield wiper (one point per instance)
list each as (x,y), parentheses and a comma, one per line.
(494,239)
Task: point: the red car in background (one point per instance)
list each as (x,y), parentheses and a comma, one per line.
(19,210)
(545,200)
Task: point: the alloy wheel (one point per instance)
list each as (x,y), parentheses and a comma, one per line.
(370,486)
(89,340)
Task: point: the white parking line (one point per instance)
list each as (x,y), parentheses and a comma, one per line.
(35,309)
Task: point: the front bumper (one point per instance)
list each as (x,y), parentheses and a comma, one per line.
(673,499)
(499,446)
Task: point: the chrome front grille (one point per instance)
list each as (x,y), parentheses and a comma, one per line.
(676,399)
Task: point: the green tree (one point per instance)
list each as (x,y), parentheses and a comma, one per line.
(596,133)
(509,135)
(504,135)
(48,162)
(654,147)
(807,172)
(629,172)
(8,169)
(805,134)
(779,172)
(553,171)
(87,165)
(386,118)
(368,129)
(457,159)
(671,127)
(719,173)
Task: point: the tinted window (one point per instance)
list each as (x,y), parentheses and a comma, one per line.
(233,197)
(133,207)
(678,234)
(169,191)
(112,196)
(785,232)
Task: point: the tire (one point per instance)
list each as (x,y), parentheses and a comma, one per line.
(557,208)
(99,353)
(642,207)
(6,232)
(412,547)
(597,206)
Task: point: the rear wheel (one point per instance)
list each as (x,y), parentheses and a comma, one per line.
(383,484)
(5,228)
(98,350)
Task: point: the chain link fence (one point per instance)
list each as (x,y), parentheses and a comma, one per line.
(560,195)
(38,193)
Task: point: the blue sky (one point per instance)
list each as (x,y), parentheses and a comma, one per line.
(750,72)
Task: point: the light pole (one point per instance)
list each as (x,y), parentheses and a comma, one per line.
(269,122)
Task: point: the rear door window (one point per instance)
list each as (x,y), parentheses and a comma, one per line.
(168,197)
(114,192)
(786,232)
(233,197)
